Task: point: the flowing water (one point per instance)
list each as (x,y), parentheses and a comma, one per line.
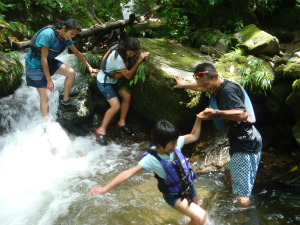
(46,174)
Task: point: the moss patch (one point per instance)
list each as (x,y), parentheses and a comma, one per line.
(171,53)
(156,98)
(292,70)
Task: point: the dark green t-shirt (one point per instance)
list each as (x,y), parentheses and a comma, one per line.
(243,136)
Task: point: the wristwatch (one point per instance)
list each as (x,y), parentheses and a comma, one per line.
(217,114)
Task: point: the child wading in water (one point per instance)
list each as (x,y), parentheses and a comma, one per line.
(171,170)
(115,65)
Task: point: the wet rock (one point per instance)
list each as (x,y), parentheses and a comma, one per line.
(72,114)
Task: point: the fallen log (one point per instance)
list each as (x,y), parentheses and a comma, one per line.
(95,30)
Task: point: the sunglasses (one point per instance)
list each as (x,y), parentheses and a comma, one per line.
(201,74)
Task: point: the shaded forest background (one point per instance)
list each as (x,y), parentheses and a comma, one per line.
(182,17)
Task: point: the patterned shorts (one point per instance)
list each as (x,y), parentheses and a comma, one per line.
(243,168)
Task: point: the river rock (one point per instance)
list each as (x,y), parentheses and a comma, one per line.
(211,153)
(73,114)
(292,70)
(155,98)
(256,41)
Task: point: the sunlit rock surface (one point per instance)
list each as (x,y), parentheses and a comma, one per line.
(156,98)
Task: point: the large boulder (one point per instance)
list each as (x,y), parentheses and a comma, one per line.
(155,98)
(255,41)
(292,70)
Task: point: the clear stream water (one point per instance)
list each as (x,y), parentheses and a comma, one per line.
(46,176)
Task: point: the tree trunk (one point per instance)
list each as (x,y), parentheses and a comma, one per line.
(105,28)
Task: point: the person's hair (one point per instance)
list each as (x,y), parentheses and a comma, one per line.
(206,67)
(70,24)
(163,132)
(129,44)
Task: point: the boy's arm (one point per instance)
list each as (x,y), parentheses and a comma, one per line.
(195,133)
(120,178)
(182,84)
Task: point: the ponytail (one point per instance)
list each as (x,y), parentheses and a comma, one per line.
(69,24)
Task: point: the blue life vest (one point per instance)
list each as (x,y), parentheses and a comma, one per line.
(219,122)
(54,50)
(179,174)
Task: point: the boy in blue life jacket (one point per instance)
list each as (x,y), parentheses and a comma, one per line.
(232,112)
(171,169)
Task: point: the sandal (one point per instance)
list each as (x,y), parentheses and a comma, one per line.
(126,128)
(102,139)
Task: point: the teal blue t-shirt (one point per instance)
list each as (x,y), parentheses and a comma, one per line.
(45,38)
(149,162)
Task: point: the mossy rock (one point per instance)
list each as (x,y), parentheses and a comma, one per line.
(74,114)
(293,100)
(276,101)
(279,70)
(205,36)
(280,61)
(292,70)
(156,98)
(255,41)
(172,53)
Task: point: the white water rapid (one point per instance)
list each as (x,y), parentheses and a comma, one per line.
(46,173)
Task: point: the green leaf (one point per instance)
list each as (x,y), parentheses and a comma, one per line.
(12,26)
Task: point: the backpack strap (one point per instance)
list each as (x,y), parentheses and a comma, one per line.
(104,60)
(35,51)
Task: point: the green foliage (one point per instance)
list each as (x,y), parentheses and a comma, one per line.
(140,75)
(93,59)
(266,6)
(253,79)
(13,74)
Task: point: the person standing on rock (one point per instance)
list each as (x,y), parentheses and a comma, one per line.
(232,112)
(41,62)
(113,66)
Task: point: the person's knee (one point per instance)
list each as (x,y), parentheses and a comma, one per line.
(127,97)
(199,219)
(115,107)
(45,98)
(71,73)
